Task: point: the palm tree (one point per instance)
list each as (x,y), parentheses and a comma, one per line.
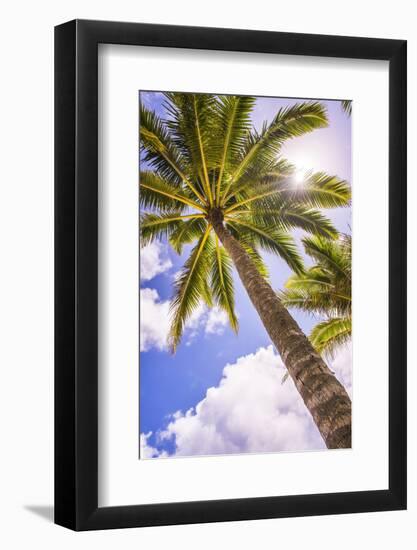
(325,289)
(213,180)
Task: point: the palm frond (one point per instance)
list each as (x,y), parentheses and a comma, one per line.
(311,221)
(161,153)
(272,240)
(265,174)
(289,217)
(221,282)
(191,120)
(187,232)
(270,195)
(158,149)
(346,105)
(264,147)
(234,125)
(159,226)
(320,299)
(190,288)
(330,254)
(319,190)
(331,334)
(314,278)
(156,193)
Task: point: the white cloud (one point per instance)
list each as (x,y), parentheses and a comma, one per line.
(216,321)
(211,321)
(153,261)
(249,411)
(146,450)
(154,320)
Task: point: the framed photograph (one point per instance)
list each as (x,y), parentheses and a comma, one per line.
(230,252)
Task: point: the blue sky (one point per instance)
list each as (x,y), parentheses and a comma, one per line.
(219,420)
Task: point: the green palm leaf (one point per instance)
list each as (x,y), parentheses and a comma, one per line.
(347,106)
(221,281)
(333,256)
(187,232)
(316,299)
(191,287)
(192,125)
(329,335)
(156,193)
(154,226)
(320,190)
(161,153)
(271,175)
(234,125)
(289,217)
(271,240)
(263,148)
(315,280)
(157,147)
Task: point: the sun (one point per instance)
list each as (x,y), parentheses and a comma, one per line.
(299,177)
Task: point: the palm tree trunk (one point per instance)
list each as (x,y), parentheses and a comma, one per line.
(323,395)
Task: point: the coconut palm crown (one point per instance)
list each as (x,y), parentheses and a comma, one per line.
(205,163)
(325,289)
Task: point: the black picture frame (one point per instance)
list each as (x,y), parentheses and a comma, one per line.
(76,272)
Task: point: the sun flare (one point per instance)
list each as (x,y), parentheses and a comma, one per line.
(299,177)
